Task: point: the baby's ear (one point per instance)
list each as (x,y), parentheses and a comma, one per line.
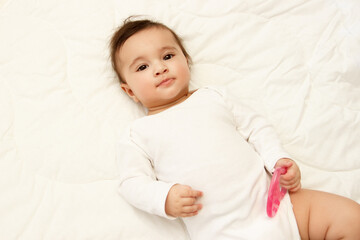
(126,88)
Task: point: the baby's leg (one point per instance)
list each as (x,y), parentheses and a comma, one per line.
(322,215)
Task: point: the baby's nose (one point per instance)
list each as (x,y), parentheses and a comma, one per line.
(162,68)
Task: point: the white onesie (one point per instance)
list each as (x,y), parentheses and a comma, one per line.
(208,143)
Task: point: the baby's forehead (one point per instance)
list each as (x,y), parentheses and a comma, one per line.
(154,38)
(153,35)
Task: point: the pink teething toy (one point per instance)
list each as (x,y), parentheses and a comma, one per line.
(276,192)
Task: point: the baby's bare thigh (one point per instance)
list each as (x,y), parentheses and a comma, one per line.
(322,215)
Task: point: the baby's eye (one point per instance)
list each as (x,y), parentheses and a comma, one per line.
(168,56)
(141,68)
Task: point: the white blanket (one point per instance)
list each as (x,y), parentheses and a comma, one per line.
(62,109)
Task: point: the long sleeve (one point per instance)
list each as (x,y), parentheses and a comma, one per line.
(258,132)
(138,183)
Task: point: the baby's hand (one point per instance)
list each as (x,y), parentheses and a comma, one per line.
(291,179)
(180,201)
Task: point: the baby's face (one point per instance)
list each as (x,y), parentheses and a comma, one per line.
(154,68)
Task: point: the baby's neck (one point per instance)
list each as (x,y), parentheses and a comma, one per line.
(154,110)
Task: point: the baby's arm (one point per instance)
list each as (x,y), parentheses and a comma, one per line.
(262,136)
(181,201)
(291,179)
(138,183)
(140,187)
(256,130)
(266,142)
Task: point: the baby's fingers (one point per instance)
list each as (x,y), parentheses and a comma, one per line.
(189,211)
(189,192)
(288,183)
(188,201)
(188,214)
(284,162)
(292,186)
(289,176)
(195,193)
(289,179)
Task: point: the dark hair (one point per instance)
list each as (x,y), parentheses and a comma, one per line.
(129,28)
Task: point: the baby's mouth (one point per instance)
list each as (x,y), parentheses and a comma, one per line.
(165,82)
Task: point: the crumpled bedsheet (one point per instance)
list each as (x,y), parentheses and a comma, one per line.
(62,109)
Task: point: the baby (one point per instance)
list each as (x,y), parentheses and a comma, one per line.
(198,156)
